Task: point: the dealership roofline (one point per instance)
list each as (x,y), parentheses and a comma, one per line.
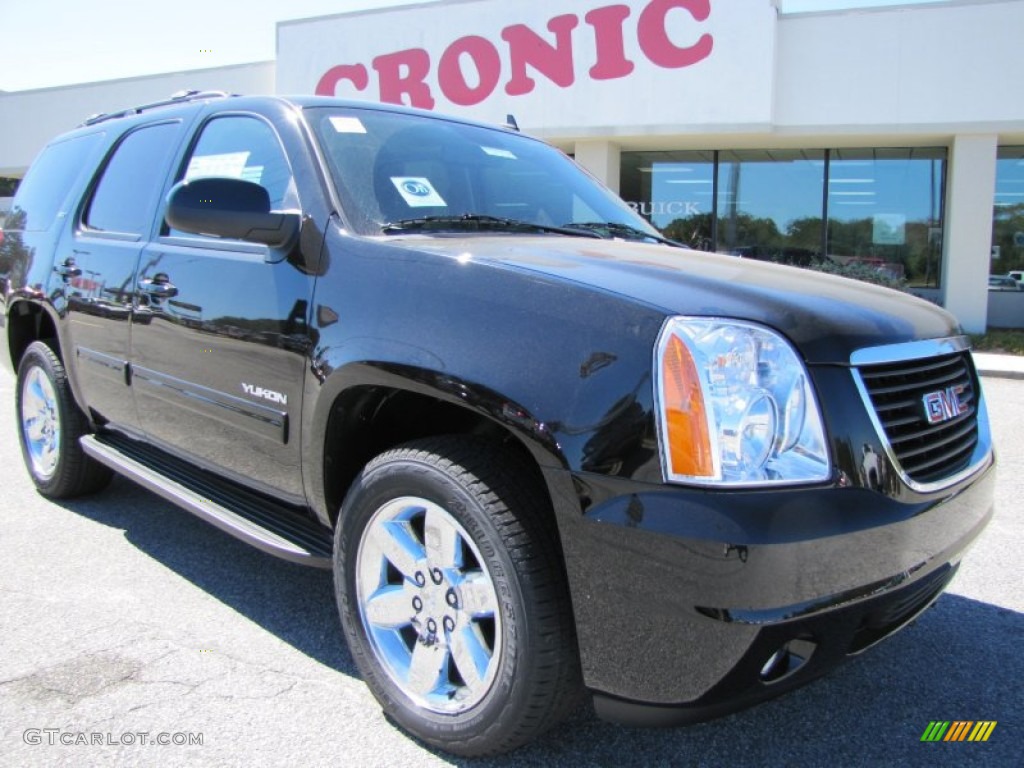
(884,8)
(775,3)
(139,78)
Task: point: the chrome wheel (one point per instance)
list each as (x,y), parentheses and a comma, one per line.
(50,424)
(40,422)
(428,604)
(452,596)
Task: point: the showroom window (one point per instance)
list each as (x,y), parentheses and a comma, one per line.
(884,207)
(674,191)
(1008,213)
(769,204)
(885,211)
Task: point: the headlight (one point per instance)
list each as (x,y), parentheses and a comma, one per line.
(735,406)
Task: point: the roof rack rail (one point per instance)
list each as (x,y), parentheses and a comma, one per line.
(180,97)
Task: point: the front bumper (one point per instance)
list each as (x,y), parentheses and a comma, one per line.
(691,604)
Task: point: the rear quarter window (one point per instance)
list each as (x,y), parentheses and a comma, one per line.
(45,189)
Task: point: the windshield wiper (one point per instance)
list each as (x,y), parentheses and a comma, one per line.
(610,229)
(480,221)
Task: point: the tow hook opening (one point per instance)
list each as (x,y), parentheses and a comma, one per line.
(787,659)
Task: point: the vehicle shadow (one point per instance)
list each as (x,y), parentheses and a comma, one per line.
(960,661)
(294,602)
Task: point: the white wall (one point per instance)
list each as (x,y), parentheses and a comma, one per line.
(946,68)
(1006,309)
(603,159)
(923,72)
(967,244)
(29,119)
(730,86)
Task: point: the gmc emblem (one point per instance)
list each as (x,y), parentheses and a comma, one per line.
(944,405)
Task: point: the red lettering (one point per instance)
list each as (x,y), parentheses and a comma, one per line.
(652,32)
(611,48)
(403,74)
(452,79)
(526,47)
(354,73)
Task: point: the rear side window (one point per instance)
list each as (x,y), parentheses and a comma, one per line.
(48,182)
(124,199)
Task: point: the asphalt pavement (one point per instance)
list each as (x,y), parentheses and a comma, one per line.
(124,621)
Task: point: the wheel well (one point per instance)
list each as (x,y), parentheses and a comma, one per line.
(366,421)
(27,323)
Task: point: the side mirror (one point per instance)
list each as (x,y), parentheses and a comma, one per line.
(231,208)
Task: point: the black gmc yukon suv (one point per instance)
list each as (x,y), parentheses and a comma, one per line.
(544,450)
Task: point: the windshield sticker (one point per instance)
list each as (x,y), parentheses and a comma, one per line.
(495,152)
(348,125)
(417,192)
(230,164)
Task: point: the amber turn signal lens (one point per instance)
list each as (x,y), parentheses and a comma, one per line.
(689,444)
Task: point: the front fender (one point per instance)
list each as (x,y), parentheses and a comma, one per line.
(349,387)
(561,366)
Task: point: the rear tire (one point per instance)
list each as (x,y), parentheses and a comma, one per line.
(50,425)
(453,596)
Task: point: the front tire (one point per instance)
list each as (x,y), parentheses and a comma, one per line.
(453,598)
(50,424)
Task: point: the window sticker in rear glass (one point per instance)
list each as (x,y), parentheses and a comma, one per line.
(418,192)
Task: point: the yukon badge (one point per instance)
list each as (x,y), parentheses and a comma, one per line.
(944,405)
(266,394)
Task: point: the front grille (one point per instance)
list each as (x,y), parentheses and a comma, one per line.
(926,452)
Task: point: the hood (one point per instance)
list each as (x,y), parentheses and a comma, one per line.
(825,317)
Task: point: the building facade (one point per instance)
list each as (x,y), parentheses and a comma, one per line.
(888,141)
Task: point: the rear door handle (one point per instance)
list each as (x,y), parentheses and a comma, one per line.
(159,288)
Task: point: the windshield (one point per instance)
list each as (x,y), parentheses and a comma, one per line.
(399,174)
